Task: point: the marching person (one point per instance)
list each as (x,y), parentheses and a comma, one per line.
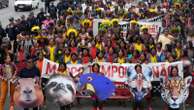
(11,30)
(174,76)
(39,62)
(46,5)
(2,31)
(97,104)
(7,74)
(166,38)
(39,65)
(140,76)
(2,51)
(41,16)
(138,69)
(74,59)
(52,11)
(30,71)
(63,71)
(174,73)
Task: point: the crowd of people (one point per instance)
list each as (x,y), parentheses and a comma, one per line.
(63,33)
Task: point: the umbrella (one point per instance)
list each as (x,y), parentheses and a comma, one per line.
(102,87)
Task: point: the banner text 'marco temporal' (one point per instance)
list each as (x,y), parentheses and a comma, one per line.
(114,71)
(118,72)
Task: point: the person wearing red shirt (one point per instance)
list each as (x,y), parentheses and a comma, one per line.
(85,57)
(93,50)
(108,45)
(135,57)
(39,62)
(114,41)
(110,55)
(73,47)
(20,58)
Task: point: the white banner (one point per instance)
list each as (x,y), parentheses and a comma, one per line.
(119,72)
(49,68)
(154,19)
(114,71)
(96,23)
(153,27)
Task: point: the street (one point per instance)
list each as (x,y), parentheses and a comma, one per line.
(158,104)
(9,12)
(109,105)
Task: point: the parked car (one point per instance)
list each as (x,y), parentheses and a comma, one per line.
(26,4)
(4,3)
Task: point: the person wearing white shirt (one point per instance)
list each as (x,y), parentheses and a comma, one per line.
(165,38)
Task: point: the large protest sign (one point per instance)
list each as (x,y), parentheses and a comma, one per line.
(153,27)
(49,68)
(152,24)
(163,69)
(114,71)
(118,72)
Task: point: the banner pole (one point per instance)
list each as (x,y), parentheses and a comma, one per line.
(184,106)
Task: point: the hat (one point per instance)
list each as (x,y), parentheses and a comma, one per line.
(152,10)
(133,22)
(115,20)
(86,21)
(72,30)
(98,9)
(40,37)
(106,22)
(143,28)
(69,10)
(35,28)
(177,5)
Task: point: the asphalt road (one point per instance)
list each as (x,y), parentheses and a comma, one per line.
(6,13)
(9,12)
(109,105)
